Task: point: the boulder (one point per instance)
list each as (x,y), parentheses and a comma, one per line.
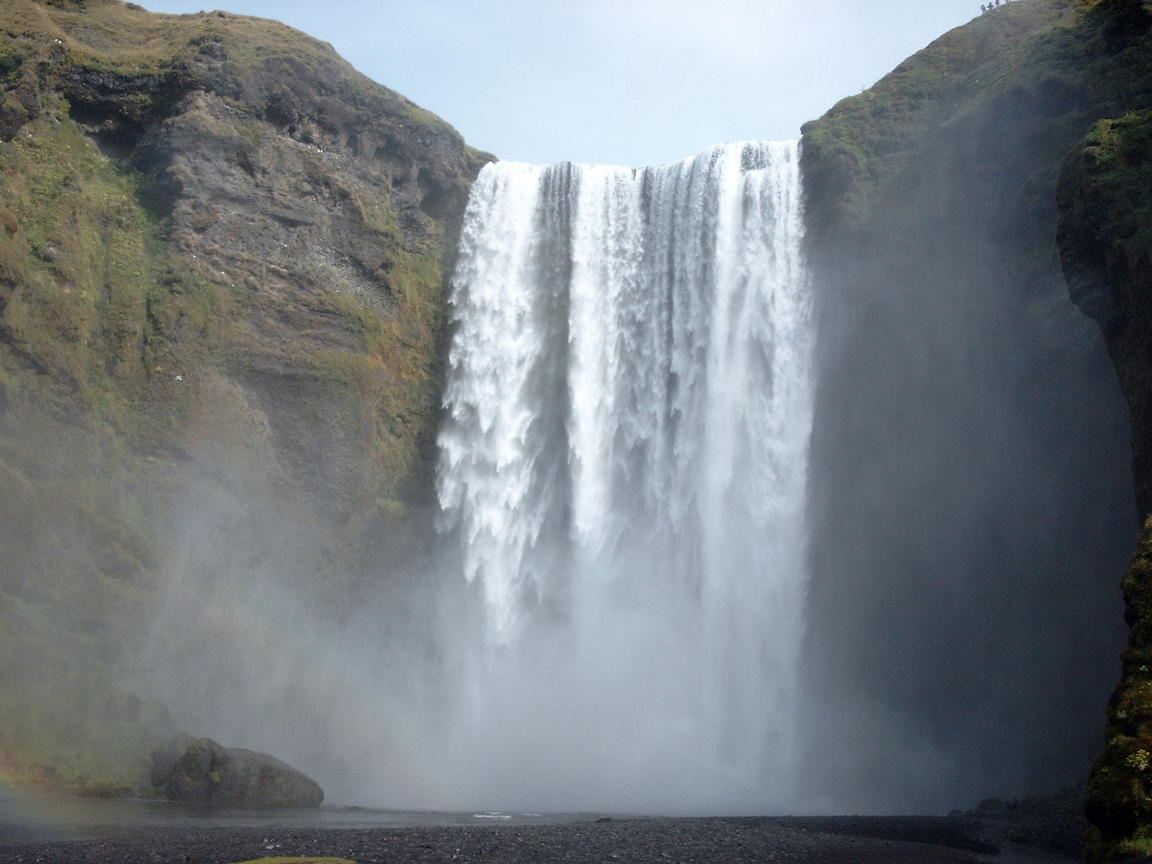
(204,772)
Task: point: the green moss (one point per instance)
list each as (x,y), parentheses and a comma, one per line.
(1121,179)
(11,59)
(77,575)
(79,257)
(1055,47)
(391,508)
(82,257)
(1119,793)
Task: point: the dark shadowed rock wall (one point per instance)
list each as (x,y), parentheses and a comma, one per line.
(1105,237)
(973,504)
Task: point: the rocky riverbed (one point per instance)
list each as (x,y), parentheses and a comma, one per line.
(835,840)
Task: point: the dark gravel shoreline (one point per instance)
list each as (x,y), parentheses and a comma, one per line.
(895,840)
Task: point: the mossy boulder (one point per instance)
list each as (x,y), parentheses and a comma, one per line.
(207,773)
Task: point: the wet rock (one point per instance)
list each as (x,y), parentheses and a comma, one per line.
(207,773)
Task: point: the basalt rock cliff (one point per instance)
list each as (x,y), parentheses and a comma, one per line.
(222,265)
(974,427)
(1105,236)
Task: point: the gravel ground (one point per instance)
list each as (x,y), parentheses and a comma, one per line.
(689,841)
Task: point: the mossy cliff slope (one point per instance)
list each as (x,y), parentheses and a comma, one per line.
(222,264)
(971,504)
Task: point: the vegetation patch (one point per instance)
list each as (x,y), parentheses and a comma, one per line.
(1080,59)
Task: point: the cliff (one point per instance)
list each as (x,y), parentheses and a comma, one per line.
(970,501)
(222,263)
(1105,237)
(1105,246)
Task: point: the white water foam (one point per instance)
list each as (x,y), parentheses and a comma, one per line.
(624,460)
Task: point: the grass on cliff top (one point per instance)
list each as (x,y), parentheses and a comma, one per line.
(867,135)
(127,40)
(1121,149)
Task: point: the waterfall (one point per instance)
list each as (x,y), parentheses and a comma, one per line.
(623,459)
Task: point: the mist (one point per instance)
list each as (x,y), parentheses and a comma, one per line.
(610,616)
(969,508)
(972,503)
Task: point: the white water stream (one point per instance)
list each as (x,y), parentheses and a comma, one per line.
(624,461)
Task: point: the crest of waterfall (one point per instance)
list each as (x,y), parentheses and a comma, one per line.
(623,459)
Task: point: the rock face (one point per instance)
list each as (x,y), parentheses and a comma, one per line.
(1105,237)
(222,263)
(1033,121)
(972,509)
(287,223)
(1119,795)
(206,773)
(1106,249)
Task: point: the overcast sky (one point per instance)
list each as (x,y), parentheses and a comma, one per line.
(632,82)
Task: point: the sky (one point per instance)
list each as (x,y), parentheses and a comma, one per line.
(628,82)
